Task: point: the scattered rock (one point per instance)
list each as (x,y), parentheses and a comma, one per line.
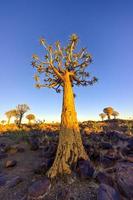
(10,163)
(106,192)
(48,151)
(85,169)
(12,149)
(94,153)
(34,144)
(107,161)
(124,178)
(6,147)
(42,168)
(39,189)
(106,145)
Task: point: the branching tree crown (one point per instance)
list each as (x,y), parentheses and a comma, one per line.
(21,109)
(58,60)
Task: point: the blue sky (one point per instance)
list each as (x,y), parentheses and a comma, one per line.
(105,27)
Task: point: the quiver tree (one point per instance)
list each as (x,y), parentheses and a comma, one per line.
(30,117)
(115,114)
(102,115)
(108,111)
(3,122)
(62,69)
(21,109)
(9,114)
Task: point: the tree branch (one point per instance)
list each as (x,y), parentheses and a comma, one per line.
(56,72)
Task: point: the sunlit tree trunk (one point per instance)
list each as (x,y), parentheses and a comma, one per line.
(108,116)
(70,147)
(20,120)
(9,118)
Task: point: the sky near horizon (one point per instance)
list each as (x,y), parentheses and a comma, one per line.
(105,27)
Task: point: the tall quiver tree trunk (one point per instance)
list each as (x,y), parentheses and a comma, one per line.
(70,147)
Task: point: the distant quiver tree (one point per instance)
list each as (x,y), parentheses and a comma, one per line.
(9,114)
(21,109)
(102,115)
(115,114)
(108,111)
(30,117)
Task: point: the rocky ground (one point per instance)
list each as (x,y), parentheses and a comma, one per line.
(108,175)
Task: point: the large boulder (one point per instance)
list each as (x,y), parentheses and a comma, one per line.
(39,189)
(124,178)
(106,192)
(85,169)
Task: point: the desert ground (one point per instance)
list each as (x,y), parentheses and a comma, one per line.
(27,153)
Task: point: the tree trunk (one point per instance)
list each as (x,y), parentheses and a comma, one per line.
(108,116)
(70,147)
(20,120)
(9,120)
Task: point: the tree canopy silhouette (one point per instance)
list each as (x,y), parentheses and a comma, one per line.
(30,117)
(62,68)
(108,111)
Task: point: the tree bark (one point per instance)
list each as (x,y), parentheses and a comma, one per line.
(108,116)
(70,147)
(9,120)
(20,120)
